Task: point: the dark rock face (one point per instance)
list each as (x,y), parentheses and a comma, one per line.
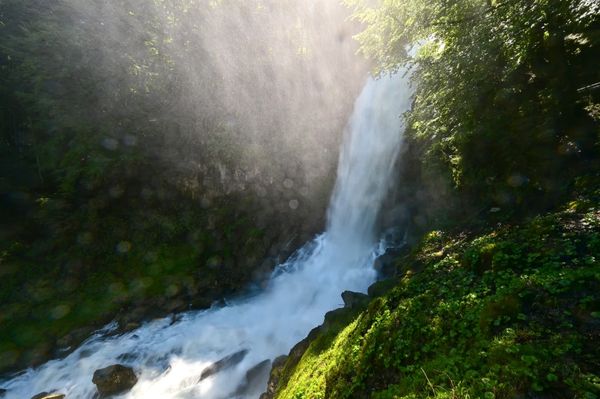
(74,338)
(257,370)
(280,361)
(255,379)
(380,288)
(114,380)
(225,363)
(386,263)
(290,360)
(278,364)
(2,392)
(354,299)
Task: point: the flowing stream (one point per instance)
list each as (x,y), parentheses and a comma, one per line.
(170,357)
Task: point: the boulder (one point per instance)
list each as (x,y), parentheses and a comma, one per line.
(114,380)
(354,299)
(225,363)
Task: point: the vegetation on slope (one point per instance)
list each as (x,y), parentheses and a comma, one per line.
(495,302)
(513,311)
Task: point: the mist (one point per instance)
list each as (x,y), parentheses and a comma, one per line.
(261,87)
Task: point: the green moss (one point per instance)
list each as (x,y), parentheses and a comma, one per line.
(160,265)
(509,313)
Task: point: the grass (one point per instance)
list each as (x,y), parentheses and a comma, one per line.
(513,312)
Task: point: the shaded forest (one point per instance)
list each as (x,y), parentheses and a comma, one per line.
(151,152)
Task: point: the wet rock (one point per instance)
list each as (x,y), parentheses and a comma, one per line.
(46,395)
(132,325)
(127,357)
(380,288)
(274,376)
(280,361)
(74,338)
(114,380)
(386,263)
(298,350)
(68,343)
(261,274)
(260,370)
(132,316)
(255,379)
(2,392)
(291,360)
(176,305)
(389,264)
(354,299)
(335,315)
(160,363)
(225,363)
(200,302)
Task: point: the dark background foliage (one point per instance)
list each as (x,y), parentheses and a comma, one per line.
(157,155)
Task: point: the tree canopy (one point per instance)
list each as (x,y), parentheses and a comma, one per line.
(499,108)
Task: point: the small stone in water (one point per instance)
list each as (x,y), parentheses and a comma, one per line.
(46,395)
(115,379)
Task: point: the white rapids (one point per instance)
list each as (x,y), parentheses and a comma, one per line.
(169,357)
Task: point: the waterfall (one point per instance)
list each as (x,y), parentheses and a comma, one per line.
(373,141)
(169,356)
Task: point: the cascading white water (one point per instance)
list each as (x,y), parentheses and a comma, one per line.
(169,358)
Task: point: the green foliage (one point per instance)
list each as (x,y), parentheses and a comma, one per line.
(508,313)
(99,263)
(497,112)
(127,186)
